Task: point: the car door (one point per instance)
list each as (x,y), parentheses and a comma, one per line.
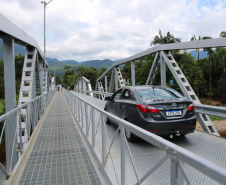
(124,102)
(114,103)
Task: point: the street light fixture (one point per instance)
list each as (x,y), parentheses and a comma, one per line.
(45,74)
(45,4)
(54,70)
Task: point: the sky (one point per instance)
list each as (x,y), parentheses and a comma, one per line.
(112,29)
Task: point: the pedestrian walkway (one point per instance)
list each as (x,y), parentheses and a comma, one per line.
(59,156)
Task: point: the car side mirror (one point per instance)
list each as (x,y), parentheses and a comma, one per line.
(108,98)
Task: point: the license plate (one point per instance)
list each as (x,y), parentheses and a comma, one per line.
(174,113)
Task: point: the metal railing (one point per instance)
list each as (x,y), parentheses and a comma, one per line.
(35,109)
(211,110)
(91,120)
(95,93)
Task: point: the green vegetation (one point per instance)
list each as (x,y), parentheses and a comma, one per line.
(59,65)
(2,106)
(19,62)
(214,118)
(70,75)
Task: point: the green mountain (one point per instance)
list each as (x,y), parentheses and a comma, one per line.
(59,65)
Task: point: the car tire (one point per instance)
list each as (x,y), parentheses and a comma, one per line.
(130,136)
(108,122)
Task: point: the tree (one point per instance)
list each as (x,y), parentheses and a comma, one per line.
(101,71)
(2,92)
(58,79)
(67,67)
(19,63)
(197,50)
(220,54)
(223,34)
(200,38)
(199,82)
(169,38)
(69,77)
(89,73)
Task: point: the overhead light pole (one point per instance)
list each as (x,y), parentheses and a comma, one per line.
(45,73)
(54,71)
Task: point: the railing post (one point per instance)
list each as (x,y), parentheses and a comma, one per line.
(133,73)
(163,71)
(123,159)
(176,174)
(34,114)
(41,106)
(106,83)
(28,120)
(87,120)
(10,101)
(104,141)
(82,113)
(79,111)
(20,130)
(73,107)
(93,126)
(70,99)
(116,79)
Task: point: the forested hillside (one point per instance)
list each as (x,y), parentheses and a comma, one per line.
(59,65)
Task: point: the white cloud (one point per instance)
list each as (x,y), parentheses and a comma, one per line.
(100,29)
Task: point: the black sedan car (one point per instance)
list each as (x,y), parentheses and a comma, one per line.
(160,110)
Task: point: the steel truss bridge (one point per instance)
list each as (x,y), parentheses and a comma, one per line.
(61,137)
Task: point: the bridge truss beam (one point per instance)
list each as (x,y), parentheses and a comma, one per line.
(163,57)
(83,85)
(33,77)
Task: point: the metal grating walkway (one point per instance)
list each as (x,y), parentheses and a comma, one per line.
(59,156)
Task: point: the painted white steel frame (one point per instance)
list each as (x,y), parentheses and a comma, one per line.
(10,33)
(163,57)
(85,115)
(83,85)
(208,43)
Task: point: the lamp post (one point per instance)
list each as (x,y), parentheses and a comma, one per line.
(54,71)
(45,73)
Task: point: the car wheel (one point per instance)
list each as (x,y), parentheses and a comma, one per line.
(108,122)
(130,136)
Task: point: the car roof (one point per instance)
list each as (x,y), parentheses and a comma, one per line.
(146,87)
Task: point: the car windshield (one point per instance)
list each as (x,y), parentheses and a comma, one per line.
(152,93)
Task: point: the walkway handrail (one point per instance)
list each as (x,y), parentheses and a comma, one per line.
(94,92)
(4,116)
(35,109)
(177,155)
